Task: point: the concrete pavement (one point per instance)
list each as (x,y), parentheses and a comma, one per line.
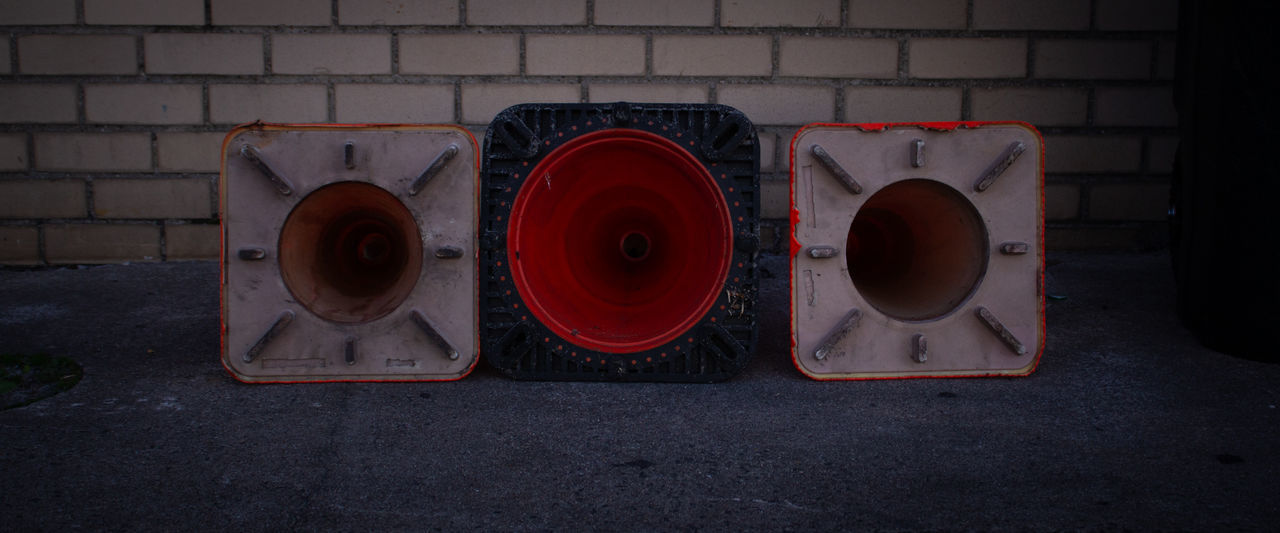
(1127,424)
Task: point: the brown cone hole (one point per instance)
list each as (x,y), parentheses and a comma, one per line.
(917,249)
(350,252)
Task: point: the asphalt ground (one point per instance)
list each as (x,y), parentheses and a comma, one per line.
(1127,424)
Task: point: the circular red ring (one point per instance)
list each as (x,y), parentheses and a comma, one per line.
(574,209)
(634,246)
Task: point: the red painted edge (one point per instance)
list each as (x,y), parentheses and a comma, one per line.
(222,238)
(795,244)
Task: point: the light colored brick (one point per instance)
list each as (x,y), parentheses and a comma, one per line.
(273,13)
(152,198)
(43,103)
(184,242)
(42,198)
(19,245)
(838,57)
(398,12)
(1042,107)
(768,150)
(647,92)
(968,58)
(584,55)
(770,13)
(1166,59)
(143,104)
(781,104)
(401,104)
(4,55)
(481,102)
(1135,107)
(203,53)
(145,12)
(1130,201)
(189,152)
(712,55)
(331,54)
(37,12)
(526,12)
(775,199)
(13,151)
(101,243)
(1118,15)
(77,54)
(655,13)
(1109,60)
(901,104)
(460,54)
(231,104)
(908,14)
(111,152)
(1037,15)
(1062,201)
(1069,154)
(1161,152)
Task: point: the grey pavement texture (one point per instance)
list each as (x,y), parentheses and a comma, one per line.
(1127,424)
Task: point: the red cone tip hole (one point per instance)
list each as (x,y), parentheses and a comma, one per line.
(619,241)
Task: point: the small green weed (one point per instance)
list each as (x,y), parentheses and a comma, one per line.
(25,379)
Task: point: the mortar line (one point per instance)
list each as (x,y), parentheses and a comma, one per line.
(82,112)
(332,102)
(775,45)
(267,65)
(1033,46)
(523,71)
(457,101)
(31,152)
(904,54)
(164,240)
(840,111)
(13,54)
(1153,73)
(648,57)
(206,121)
(90,199)
(155,153)
(395,56)
(140,56)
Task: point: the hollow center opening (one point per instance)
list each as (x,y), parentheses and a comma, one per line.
(635,246)
(350,252)
(619,241)
(917,249)
(375,249)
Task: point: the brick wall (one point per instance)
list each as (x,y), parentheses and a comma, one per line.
(112,111)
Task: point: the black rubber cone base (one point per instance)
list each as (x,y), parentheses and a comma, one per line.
(619,242)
